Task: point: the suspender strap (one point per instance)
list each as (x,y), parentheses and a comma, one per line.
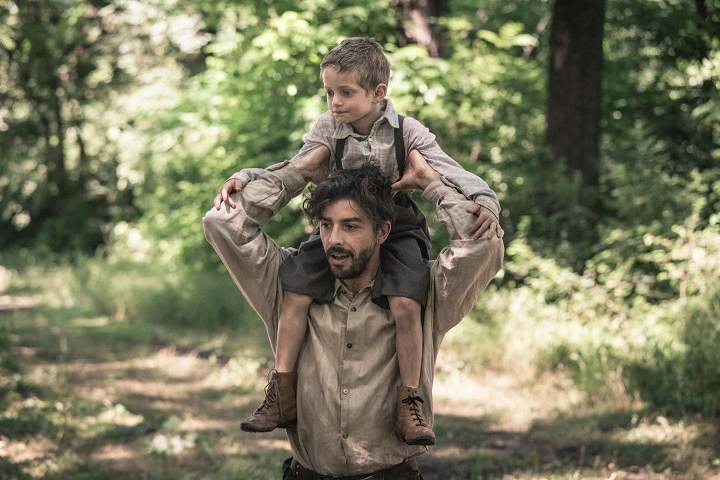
(400,147)
(339,151)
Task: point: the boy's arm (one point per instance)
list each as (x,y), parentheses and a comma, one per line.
(252,258)
(312,166)
(419,137)
(317,143)
(467,265)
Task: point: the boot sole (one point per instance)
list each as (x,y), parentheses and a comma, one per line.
(417,441)
(252,428)
(248,427)
(421,441)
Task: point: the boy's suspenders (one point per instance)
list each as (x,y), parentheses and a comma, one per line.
(399,148)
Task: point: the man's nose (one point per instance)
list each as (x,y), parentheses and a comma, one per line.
(335,237)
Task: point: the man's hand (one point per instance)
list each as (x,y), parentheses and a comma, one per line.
(231,186)
(486,224)
(418,174)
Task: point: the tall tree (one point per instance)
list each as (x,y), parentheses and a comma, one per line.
(419,27)
(574,85)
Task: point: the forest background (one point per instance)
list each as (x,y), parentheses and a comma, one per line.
(596,123)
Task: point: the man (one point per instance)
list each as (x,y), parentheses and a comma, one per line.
(347,367)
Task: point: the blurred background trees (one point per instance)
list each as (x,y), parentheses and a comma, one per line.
(596,122)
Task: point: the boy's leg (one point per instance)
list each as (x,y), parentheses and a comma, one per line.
(410,425)
(408,338)
(304,276)
(279,409)
(291,330)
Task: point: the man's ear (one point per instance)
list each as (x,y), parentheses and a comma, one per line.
(383,232)
(380,92)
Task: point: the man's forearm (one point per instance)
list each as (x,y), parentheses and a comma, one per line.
(467,265)
(260,199)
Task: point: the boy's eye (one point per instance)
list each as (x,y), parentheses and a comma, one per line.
(347,93)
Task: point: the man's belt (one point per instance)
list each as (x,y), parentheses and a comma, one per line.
(400,470)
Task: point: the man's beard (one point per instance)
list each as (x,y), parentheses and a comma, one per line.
(356,266)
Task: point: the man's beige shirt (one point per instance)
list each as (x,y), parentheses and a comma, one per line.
(347,367)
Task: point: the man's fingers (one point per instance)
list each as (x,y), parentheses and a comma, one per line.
(481,226)
(473,208)
(496,230)
(230,201)
(486,224)
(399,185)
(217,201)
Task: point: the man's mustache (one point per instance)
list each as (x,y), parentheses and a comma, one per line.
(338,250)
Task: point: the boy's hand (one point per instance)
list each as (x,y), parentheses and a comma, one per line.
(418,174)
(486,224)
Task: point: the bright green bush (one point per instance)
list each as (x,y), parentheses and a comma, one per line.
(156,292)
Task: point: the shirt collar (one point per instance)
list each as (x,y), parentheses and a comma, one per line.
(345,130)
(339,286)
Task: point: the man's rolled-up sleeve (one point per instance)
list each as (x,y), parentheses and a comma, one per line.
(251,257)
(466,266)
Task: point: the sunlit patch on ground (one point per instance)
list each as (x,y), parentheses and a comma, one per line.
(142,409)
(26,450)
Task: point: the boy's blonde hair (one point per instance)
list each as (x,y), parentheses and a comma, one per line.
(362,56)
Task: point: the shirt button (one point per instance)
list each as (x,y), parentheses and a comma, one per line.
(349,345)
(353,309)
(345,391)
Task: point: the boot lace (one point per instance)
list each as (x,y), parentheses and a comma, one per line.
(413,402)
(270,395)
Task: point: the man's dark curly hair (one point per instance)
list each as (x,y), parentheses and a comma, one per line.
(366,185)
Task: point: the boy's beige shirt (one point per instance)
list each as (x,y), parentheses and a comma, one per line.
(379,147)
(347,367)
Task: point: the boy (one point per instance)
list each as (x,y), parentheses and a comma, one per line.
(361,126)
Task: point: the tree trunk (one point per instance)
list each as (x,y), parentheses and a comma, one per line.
(419,28)
(574,85)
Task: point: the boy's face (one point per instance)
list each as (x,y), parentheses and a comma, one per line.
(347,100)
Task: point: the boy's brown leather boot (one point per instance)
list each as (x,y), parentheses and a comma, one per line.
(411,425)
(279,408)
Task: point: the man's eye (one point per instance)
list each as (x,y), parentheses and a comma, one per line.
(350,226)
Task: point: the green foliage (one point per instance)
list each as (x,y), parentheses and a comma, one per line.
(683,374)
(119,120)
(159,294)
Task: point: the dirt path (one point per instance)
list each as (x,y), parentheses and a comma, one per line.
(99,399)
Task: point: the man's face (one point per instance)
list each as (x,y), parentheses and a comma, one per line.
(346,99)
(349,238)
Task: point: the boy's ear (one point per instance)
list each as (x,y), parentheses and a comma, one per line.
(380,91)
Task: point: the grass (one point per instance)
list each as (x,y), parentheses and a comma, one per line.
(102,394)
